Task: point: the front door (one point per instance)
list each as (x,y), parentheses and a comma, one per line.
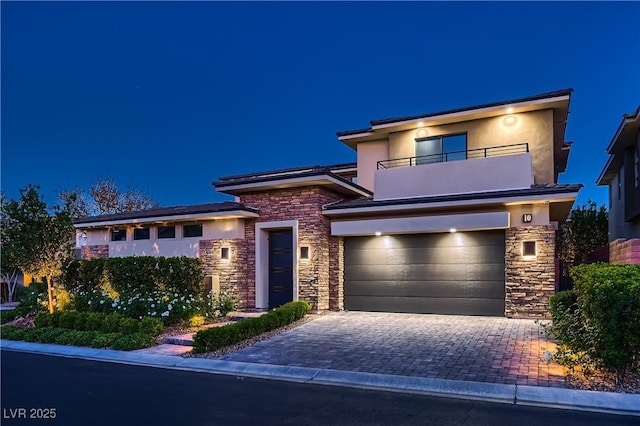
(280,267)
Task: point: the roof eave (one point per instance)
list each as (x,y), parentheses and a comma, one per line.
(229,214)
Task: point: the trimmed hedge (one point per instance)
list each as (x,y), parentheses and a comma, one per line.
(215,338)
(599,320)
(61,336)
(136,274)
(95,321)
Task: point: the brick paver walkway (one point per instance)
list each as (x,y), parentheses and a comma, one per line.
(494,350)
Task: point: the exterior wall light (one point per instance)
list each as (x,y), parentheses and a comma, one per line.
(529,249)
(305,253)
(527,218)
(225,253)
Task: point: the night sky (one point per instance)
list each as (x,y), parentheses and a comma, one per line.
(169,96)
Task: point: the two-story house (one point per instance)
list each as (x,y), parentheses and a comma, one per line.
(453,212)
(621,174)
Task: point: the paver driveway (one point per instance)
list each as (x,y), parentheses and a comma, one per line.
(495,350)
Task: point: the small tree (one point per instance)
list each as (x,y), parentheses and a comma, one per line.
(104,197)
(39,243)
(586,231)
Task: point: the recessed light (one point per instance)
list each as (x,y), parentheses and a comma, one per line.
(378,233)
(510,110)
(453,230)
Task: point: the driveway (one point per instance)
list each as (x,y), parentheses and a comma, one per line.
(484,349)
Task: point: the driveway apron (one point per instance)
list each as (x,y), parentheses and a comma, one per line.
(483,349)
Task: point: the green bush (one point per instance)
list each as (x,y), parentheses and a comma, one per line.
(105,340)
(129,326)
(42,319)
(599,320)
(130,342)
(12,332)
(54,318)
(8,316)
(50,335)
(68,320)
(136,274)
(94,321)
(218,337)
(29,296)
(111,323)
(151,326)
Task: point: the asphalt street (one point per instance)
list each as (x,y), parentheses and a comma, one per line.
(50,390)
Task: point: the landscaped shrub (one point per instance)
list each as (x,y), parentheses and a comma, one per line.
(31,297)
(600,320)
(68,320)
(111,323)
(129,326)
(151,326)
(171,307)
(105,340)
(218,337)
(136,274)
(12,332)
(10,315)
(42,319)
(94,321)
(133,341)
(50,335)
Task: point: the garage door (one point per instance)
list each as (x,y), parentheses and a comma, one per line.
(453,273)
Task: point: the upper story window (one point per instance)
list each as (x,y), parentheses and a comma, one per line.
(194,230)
(441,148)
(141,233)
(166,232)
(118,235)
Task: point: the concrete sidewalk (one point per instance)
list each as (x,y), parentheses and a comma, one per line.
(614,403)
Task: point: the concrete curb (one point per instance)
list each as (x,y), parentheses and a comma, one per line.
(605,402)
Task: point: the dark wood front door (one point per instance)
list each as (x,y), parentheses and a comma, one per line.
(280,268)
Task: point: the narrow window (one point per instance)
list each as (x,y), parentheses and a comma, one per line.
(141,233)
(166,232)
(118,235)
(637,165)
(194,230)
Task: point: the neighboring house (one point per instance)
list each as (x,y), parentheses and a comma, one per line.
(453,213)
(622,175)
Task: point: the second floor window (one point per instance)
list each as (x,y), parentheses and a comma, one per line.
(441,148)
(166,232)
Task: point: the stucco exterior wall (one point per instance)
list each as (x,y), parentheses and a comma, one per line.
(369,153)
(178,246)
(455,177)
(534,128)
(529,281)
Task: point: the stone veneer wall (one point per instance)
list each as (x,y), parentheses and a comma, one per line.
(336,273)
(529,282)
(624,252)
(233,272)
(316,279)
(94,252)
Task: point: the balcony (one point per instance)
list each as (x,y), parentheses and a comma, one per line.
(493,151)
(486,169)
